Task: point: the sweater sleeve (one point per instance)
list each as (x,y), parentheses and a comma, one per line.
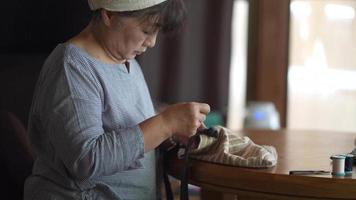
(77,133)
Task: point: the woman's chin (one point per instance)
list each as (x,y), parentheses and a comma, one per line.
(132,56)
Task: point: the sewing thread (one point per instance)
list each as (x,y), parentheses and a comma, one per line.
(349,160)
(338,162)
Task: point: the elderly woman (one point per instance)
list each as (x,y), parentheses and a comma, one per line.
(92,123)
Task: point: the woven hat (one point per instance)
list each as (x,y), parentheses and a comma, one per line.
(122,5)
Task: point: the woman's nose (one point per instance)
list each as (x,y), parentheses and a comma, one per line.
(151,41)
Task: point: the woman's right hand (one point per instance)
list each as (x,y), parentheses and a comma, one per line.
(184,119)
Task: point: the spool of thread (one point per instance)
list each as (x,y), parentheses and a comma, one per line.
(349,160)
(354,153)
(338,162)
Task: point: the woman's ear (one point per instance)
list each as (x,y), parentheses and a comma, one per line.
(107,17)
(111,19)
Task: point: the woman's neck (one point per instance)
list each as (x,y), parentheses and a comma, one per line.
(89,41)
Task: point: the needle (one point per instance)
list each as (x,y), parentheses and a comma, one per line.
(308,172)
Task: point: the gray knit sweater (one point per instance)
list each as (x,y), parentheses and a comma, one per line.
(83,126)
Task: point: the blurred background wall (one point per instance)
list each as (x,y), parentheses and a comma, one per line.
(192,65)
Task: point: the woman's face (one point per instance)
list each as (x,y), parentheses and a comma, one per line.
(129,36)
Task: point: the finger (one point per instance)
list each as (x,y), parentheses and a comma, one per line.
(182,139)
(202,118)
(202,126)
(204,108)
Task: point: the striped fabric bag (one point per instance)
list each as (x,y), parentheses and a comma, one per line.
(230,149)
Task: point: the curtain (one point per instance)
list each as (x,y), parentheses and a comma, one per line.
(32,27)
(193,65)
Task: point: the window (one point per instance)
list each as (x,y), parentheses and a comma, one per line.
(322,65)
(237,86)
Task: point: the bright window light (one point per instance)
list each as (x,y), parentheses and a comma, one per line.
(336,12)
(322,66)
(300,10)
(237,89)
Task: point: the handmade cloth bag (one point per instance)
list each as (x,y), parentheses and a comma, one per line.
(231,149)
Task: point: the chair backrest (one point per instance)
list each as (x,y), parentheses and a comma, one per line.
(15,155)
(18,75)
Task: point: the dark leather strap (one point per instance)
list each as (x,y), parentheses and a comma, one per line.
(167,184)
(184,193)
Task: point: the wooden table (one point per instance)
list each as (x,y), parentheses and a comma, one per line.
(297,150)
